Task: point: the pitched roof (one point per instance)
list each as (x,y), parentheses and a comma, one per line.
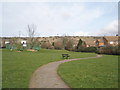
(111,38)
(90,42)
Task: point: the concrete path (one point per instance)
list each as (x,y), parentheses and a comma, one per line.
(46,76)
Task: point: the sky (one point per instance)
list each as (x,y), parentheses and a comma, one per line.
(59,18)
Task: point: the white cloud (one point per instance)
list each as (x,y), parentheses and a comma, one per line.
(51,18)
(109,29)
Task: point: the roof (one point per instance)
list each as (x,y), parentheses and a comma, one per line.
(111,38)
(100,40)
(88,42)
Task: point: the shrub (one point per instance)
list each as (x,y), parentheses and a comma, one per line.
(87,49)
(111,50)
(18,47)
(36,47)
(69,45)
(58,45)
(64,39)
(46,45)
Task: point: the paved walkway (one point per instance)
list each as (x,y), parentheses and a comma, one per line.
(46,76)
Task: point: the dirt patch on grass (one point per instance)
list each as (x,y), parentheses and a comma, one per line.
(31,50)
(18,51)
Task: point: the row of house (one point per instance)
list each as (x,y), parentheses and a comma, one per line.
(100,41)
(90,41)
(109,40)
(4,41)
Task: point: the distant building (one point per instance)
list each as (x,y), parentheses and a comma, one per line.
(101,42)
(108,40)
(7,42)
(112,40)
(24,43)
(88,41)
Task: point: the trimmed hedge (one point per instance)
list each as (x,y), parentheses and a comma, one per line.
(111,50)
(87,49)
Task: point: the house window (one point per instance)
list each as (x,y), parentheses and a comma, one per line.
(111,42)
(7,42)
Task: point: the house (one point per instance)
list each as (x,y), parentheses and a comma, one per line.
(97,43)
(90,44)
(24,43)
(107,40)
(101,42)
(112,40)
(4,42)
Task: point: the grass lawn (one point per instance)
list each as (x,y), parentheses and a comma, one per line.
(19,66)
(91,73)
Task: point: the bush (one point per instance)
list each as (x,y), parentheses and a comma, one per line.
(87,49)
(58,45)
(69,45)
(18,46)
(111,50)
(46,45)
(36,48)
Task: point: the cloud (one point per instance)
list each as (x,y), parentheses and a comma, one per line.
(50,18)
(109,29)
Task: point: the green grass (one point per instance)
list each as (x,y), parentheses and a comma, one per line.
(91,73)
(19,66)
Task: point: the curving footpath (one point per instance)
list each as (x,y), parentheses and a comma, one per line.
(46,76)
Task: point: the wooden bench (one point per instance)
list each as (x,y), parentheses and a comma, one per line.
(65,56)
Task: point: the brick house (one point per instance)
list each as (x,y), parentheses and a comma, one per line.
(113,41)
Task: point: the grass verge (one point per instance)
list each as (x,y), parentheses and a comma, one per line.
(91,73)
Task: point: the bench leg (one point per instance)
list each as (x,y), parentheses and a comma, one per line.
(63,57)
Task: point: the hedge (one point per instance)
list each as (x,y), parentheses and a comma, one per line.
(87,49)
(111,50)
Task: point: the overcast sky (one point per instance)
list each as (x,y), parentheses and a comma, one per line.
(58,18)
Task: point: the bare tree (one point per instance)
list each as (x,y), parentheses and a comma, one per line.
(69,45)
(58,45)
(67,42)
(46,45)
(31,29)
